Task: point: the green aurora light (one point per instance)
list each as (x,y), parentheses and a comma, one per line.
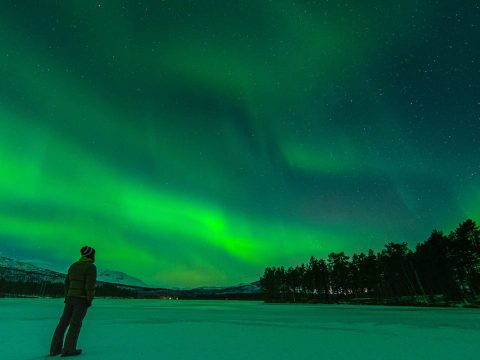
(195,143)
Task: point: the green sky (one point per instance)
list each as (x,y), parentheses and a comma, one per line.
(196,142)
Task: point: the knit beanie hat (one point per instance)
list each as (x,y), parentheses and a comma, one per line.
(88,251)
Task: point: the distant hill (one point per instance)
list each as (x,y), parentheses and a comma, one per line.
(118,277)
(252,288)
(11,269)
(14,270)
(116,283)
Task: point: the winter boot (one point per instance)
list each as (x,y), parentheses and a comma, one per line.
(72,353)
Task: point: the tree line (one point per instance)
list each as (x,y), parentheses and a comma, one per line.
(444,268)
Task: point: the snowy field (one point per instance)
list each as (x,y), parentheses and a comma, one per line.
(210,330)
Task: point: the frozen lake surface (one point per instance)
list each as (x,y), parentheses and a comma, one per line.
(155,329)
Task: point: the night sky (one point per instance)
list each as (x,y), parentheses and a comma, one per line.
(195,143)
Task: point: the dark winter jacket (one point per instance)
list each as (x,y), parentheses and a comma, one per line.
(81,278)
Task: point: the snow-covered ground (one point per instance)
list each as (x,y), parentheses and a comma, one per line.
(211,330)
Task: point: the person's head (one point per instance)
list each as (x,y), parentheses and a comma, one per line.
(88,252)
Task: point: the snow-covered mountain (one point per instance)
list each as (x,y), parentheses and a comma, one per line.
(15,270)
(253,288)
(19,270)
(118,277)
(19,265)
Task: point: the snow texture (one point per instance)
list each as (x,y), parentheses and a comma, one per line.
(155,329)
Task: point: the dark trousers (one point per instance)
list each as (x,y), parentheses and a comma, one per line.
(73,314)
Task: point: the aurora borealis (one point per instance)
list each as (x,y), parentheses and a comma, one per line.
(195,143)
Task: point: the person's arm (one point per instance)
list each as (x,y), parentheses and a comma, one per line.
(90,280)
(67,283)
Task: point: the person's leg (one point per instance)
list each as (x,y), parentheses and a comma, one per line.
(57,340)
(79,312)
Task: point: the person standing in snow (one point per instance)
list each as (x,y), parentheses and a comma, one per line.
(79,294)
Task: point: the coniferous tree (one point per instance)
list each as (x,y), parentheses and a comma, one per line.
(281,283)
(268,284)
(370,273)
(397,277)
(323,280)
(363,277)
(338,267)
(310,279)
(434,266)
(464,253)
(293,281)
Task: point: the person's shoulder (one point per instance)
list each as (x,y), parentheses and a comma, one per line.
(92,270)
